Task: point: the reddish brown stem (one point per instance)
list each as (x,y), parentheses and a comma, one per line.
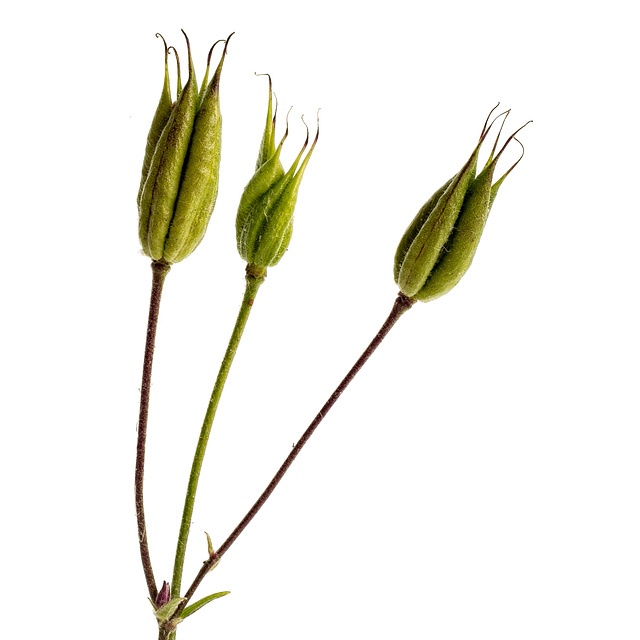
(160,270)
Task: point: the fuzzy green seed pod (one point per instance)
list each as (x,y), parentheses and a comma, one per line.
(180,173)
(265,215)
(160,119)
(437,248)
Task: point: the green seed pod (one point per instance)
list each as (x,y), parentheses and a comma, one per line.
(199,187)
(265,215)
(159,120)
(180,182)
(415,226)
(460,248)
(439,245)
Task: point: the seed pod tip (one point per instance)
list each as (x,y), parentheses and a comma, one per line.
(307,127)
(166,49)
(186,37)
(286,131)
(500,180)
(211,51)
(175,51)
(226,44)
(486,129)
(486,122)
(259,75)
(510,138)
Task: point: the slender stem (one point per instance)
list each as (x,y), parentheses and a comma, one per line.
(253,284)
(159,270)
(402,304)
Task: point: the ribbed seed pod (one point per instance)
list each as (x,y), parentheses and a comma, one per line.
(199,188)
(415,226)
(439,245)
(160,119)
(265,215)
(180,183)
(458,252)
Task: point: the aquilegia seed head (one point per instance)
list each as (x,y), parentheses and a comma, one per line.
(265,214)
(438,246)
(179,182)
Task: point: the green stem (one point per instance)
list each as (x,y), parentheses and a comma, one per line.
(253,284)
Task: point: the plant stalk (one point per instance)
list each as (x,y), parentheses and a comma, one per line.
(252,286)
(159,271)
(402,304)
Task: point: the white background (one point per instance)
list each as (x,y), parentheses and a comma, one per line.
(480,477)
